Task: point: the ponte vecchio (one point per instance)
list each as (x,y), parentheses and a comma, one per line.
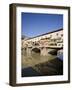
(43,44)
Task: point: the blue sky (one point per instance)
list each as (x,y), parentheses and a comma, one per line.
(34,24)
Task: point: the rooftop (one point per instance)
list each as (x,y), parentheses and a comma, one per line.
(46,33)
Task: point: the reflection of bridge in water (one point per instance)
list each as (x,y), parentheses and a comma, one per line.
(38,61)
(39,54)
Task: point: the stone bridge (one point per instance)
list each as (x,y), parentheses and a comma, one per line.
(42,50)
(44,44)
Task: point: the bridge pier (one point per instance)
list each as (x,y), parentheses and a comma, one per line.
(44,51)
(28,51)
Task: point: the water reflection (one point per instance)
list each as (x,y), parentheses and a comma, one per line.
(38,65)
(35,58)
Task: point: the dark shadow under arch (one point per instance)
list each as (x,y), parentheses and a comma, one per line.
(36,50)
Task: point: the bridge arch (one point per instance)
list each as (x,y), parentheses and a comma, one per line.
(36,50)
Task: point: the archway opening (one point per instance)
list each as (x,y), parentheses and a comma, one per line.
(53,52)
(35,50)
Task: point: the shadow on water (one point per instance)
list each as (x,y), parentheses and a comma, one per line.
(29,72)
(48,68)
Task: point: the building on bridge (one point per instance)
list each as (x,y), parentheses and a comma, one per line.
(44,43)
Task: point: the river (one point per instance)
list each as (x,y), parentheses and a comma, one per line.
(38,65)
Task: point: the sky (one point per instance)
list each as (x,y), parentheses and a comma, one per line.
(34,24)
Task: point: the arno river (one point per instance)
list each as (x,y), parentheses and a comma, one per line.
(37,65)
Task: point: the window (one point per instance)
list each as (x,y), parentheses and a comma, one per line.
(57,34)
(62,35)
(58,44)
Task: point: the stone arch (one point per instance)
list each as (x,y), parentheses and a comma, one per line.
(36,50)
(52,51)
